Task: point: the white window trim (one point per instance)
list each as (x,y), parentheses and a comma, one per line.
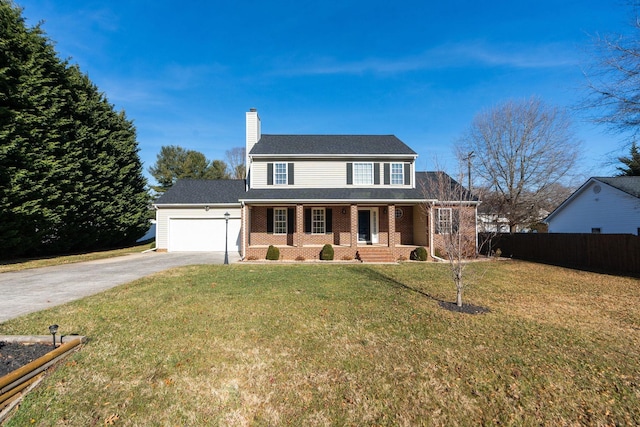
(276,174)
(276,227)
(447,221)
(320,224)
(356,175)
(400,174)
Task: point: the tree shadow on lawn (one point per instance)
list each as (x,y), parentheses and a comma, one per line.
(447,305)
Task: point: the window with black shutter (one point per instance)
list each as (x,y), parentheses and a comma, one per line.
(407,174)
(270,220)
(290,173)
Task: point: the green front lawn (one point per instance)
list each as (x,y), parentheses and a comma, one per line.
(24,264)
(316,344)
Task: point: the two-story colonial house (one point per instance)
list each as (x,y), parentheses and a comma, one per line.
(359,193)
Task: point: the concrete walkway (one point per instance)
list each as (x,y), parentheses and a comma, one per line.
(36,289)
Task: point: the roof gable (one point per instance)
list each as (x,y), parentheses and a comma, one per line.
(315,145)
(626,184)
(203,191)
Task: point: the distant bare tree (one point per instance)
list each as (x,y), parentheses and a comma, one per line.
(613,80)
(453,211)
(522,150)
(236,159)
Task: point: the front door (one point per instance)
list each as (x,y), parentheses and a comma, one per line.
(364,226)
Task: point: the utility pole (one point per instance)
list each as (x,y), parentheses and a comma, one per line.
(469,156)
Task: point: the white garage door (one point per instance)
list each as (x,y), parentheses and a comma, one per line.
(202,234)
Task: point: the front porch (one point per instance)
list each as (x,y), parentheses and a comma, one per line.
(300,231)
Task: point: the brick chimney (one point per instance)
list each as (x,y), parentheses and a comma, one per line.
(253,135)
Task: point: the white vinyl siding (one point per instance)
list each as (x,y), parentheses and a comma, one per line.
(607,208)
(164,216)
(309,173)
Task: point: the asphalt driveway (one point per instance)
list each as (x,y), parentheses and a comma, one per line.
(23,292)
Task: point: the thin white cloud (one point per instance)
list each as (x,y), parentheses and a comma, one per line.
(462,54)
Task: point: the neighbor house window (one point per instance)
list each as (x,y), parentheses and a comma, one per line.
(279,221)
(317,221)
(596,230)
(363,173)
(443,220)
(280,173)
(397,174)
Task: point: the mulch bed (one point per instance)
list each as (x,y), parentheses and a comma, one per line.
(466,308)
(16,355)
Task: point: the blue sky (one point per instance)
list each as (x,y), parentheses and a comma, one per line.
(186,72)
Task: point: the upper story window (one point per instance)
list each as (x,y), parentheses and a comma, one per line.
(363,173)
(397,173)
(280,173)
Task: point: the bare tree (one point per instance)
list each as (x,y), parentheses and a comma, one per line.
(452,210)
(235,159)
(613,80)
(522,149)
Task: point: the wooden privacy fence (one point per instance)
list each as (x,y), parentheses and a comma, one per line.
(614,253)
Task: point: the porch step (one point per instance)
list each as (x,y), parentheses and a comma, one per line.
(375,254)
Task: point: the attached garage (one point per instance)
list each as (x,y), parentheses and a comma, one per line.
(190,216)
(203,234)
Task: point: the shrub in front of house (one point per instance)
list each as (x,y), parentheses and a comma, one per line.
(273,253)
(327,253)
(419,254)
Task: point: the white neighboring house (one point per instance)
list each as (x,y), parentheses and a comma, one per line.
(601,205)
(492,223)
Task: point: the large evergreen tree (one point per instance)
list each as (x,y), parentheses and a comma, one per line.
(631,163)
(70,175)
(174,162)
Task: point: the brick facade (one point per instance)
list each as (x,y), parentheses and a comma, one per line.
(467,231)
(395,233)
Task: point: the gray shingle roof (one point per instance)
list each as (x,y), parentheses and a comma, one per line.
(340,194)
(440,186)
(208,191)
(203,191)
(331,145)
(628,184)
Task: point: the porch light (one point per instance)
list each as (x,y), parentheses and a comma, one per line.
(344,211)
(226,237)
(53,329)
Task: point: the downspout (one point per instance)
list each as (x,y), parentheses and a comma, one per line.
(155,242)
(243,214)
(476,220)
(431,231)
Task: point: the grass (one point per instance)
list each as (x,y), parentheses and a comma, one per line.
(346,345)
(24,264)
